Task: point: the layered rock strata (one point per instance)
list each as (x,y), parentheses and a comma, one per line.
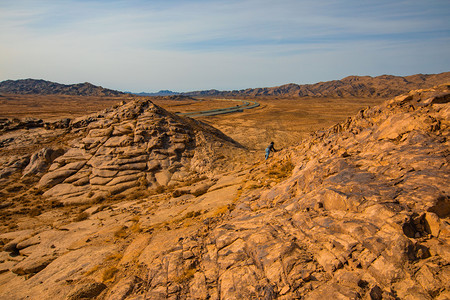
(135,145)
(358,211)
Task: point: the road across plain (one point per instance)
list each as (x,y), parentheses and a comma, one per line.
(245,104)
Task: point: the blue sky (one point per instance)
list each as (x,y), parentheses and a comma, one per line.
(138,45)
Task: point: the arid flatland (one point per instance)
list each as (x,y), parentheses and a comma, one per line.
(284,121)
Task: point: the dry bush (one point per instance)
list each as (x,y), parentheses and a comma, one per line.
(221,211)
(281,171)
(34,212)
(186,276)
(14,188)
(137,193)
(81,216)
(199,192)
(114,257)
(194,180)
(136,227)
(109,274)
(160,189)
(121,233)
(55,204)
(92,270)
(98,199)
(192,214)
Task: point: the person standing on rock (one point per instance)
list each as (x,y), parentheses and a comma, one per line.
(268,149)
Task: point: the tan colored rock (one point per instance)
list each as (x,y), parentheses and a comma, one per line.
(433,223)
(134,249)
(163,177)
(32,264)
(123,288)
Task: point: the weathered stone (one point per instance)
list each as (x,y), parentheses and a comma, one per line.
(99,180)
(103,173)
(198,286)
(163,177)
(41,160)
(33,264)
(59,175)
(432,223)
(123,288)
(87,291)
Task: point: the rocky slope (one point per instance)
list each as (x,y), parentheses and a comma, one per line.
(43,87)
(358,211)
(385,86)
(136,145)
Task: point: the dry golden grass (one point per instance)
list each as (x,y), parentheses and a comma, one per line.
(92,270)
(81,217)
(285,121)
(186,276)
(109,274)
(280,170)
(53,107)
(114,257)
(121,233)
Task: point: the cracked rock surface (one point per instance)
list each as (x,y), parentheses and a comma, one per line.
(358,211)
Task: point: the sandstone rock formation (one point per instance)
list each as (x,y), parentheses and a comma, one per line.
(358,211)
(136,145)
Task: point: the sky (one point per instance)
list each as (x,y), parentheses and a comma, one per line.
(138,45)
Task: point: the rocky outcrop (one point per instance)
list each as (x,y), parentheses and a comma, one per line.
(358,211)
(134,146)
(354,219)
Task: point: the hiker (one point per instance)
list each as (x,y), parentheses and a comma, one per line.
(268,149)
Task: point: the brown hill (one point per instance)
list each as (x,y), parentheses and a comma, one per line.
(43,87)
(385,86)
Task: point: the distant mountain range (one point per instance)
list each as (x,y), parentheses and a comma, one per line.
(160,93)
(384,86)
(43,87)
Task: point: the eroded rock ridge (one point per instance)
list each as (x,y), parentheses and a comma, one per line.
(358,211)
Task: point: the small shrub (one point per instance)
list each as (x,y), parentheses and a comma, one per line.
(136,228)
(114,257)
(56,203)
(178,193)
(281,171)
(160,189)
(186,276)
(98,199)
(192,214)
(199,192)
(121,233)
(34,212)
(108,274)
(92,270)
(81,217)
(14,188)
(221,211)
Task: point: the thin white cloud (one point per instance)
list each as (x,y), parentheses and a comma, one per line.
(186,45)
